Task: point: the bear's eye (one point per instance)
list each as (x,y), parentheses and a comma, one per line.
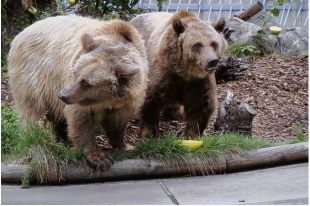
(214,45)
(123,80)
(85,84)
(197,47)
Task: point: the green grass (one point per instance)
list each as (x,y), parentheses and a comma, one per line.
(38,144)
(45,153)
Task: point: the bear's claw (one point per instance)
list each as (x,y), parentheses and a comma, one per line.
(99,160)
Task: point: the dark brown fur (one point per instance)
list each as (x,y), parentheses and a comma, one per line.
(182,52)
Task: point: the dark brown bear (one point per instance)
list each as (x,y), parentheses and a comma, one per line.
(183,52)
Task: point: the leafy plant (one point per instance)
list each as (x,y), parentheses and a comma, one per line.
(160,4)
(10,129)
(107,9)
(243,49)
(273,8)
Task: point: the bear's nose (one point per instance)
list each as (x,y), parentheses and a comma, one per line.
(213,62)
(61,97)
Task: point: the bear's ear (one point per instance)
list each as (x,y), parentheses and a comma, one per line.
(88,42)
(178,25)
(219,25)
(126,32)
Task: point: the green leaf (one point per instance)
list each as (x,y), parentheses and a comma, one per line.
(3,13)
(275,12)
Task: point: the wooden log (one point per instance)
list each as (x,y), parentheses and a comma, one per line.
(269,156)
(229,69)
(142,169)
(127,169)
(234,116)
(251,11)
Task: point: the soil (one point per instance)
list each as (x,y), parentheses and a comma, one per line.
(276,87)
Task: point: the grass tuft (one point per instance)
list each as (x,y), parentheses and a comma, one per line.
(45,153)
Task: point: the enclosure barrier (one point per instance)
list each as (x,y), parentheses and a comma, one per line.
(292,14)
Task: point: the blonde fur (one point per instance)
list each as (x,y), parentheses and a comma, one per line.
(45,58)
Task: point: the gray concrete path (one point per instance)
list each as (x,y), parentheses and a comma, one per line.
(279,185)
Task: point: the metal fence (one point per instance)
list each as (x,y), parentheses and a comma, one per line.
(292,14)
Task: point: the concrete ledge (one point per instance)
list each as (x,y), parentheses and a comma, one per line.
(143,169)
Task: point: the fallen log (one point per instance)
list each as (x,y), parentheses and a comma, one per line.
(143,169)
(251,11)
(268,157)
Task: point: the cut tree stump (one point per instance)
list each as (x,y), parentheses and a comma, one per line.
(234,116)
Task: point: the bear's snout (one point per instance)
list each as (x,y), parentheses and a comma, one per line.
(212,63)
(61,97)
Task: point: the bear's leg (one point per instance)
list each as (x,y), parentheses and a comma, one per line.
(172,113)
(150,114)
(81,131)
(61,131)
(114,124)
(59,127)
(199,106)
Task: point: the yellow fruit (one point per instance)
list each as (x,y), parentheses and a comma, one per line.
(32,10)
(71,2)
(275,30)
(191,144)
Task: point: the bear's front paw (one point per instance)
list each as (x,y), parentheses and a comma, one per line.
(99,160)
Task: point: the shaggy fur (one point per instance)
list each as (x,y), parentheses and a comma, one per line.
(183,52)
(97,69)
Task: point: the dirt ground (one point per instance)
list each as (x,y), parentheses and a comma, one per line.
(276,86)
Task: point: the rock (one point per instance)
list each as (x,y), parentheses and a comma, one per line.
(263,19)
(292,42)
(247,32)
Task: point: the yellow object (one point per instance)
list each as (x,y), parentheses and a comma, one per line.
(71,2)
(32,10)
(275,30)
(191,144)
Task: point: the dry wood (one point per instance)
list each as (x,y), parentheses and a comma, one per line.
(131,169)
(229,69)
(251,11)
(234,116)
(268,157)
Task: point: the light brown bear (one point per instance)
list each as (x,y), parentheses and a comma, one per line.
(183,53)
(97,69)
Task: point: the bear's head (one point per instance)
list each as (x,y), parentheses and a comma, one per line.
(102,74)
(201,44)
